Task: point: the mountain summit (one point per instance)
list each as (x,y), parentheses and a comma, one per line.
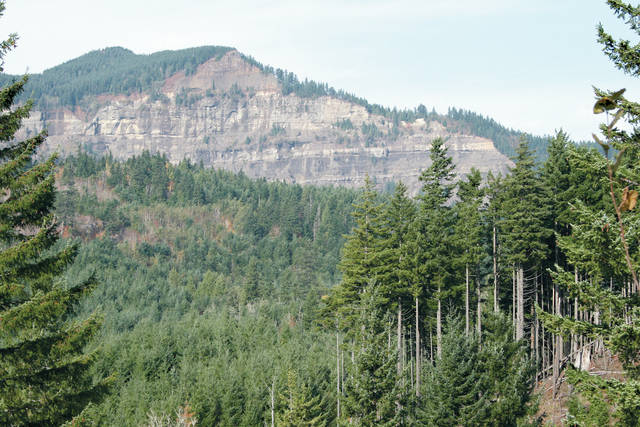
(219,107)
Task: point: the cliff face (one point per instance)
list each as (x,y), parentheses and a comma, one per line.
(229,114)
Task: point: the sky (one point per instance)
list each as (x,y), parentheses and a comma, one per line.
(530,65)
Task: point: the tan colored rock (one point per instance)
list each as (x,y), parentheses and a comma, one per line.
(258,131)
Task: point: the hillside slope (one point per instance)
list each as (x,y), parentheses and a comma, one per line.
(215,106)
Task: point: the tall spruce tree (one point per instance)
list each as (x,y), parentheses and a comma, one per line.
(373,389)
(43,367)
(604,243)
(434,232)
(468,235)
(524,225)
(361,264)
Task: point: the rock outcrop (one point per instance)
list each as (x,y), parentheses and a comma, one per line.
(229,114)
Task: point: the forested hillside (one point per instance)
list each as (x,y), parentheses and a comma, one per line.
(212,285)
(219,290)
(119,71)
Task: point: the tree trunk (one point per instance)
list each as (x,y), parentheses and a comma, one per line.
(466,300)
(557,342)
(520,303)
(273,401)
(399,337)
(439,327)
(337,372)
(417,350)
(496,306)
(479,312)
(513,299)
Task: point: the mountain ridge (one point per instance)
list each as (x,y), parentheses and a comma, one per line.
(217,106)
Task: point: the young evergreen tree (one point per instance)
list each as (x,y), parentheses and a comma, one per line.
(478,384)
(373,388)
(301,408)
(43,367)
(455,387)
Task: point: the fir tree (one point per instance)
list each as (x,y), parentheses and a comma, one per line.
(372,388)
(433,234)
(43,369)
(361,262)
(455,388)
(301,408)
(524,225)
(468,236)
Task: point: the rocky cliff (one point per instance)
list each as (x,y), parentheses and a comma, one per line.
(230,114)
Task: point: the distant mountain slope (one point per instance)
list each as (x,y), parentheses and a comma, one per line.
(216,106)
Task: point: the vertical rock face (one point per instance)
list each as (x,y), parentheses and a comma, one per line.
(230,115)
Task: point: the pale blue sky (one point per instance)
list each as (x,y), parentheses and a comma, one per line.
(528,64)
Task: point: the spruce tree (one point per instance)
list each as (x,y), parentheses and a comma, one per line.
(301,409)
(43,367)
(468,236)
(361,261)
(455,388)
(434,244)
(524,224)
(373,388)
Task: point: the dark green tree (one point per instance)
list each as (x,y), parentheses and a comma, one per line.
(361,262)
(468,235)
(524,225)
(455,390)
(433,241)
(373,388)
(301,409)
(43,367)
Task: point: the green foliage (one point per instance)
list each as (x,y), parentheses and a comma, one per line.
(212,283)
(113,70)
(44,378)
(373,388)
(525,212)
(604,244)
(301,408)
(477,385)
(360,261)
(434,226)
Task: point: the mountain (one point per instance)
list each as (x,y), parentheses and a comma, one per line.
(215,106)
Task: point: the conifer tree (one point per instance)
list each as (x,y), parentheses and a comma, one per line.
(473,384)
(43,367)
(492,215)
(524,225)
(433,235)
(301,409)
(468,235)
(361,262)
(604,242)
(372,388)
(396,274)
(455,388)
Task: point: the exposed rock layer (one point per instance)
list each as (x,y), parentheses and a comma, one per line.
(230,115)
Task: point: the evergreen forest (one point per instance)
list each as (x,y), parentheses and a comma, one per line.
(145,293)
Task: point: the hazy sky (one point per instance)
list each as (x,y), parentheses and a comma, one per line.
(528,64)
